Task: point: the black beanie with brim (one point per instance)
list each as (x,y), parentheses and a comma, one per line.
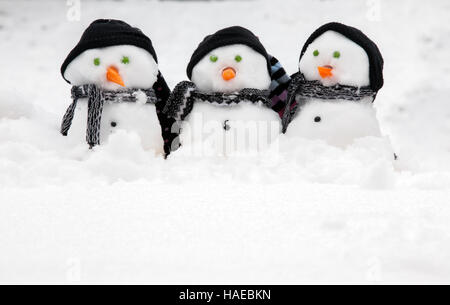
(375,58)
(107,33)
(227,37)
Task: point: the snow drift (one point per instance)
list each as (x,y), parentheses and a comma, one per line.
(310,212)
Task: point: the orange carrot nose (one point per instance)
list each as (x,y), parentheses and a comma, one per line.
(228,74)
(113,76)
(326,71)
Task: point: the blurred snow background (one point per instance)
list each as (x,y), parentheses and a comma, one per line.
(310,213)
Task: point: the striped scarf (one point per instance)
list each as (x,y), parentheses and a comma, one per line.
(279,86)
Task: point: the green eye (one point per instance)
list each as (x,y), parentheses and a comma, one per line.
(125,60)
(238,58)
(316,53)
(214,58)
(337,54)
(97,61)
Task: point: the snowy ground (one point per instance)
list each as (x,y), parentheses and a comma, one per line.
(311,213)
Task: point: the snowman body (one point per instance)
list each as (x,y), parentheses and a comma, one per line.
(230,130)
(337,122)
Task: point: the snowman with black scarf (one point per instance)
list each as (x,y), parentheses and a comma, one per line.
(331,97)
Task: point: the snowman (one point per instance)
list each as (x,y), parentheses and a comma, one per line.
(116,86)
(331,98)
(226,108)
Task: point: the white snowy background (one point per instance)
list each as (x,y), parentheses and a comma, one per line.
(311,213)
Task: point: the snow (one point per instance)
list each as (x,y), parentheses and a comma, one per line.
(310,213)
(140,72)
(251,72)
(351,68)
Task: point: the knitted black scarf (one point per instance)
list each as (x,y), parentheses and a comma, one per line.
(300,90)
(185,94)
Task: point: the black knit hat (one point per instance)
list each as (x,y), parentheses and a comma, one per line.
(107,33)
(227,37)
(375,58)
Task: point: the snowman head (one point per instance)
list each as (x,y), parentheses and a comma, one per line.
(231,69)
(113,68)
(333,59)
(339,54)
(112,55)
(229,61)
